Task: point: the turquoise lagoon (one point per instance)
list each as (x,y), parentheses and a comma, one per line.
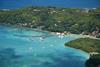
(26,48)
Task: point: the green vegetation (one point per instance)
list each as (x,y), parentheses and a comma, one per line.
(77,21)
(86,44)
(91,46)
(94,61)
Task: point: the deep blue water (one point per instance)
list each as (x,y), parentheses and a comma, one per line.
(9,4)
(20,48)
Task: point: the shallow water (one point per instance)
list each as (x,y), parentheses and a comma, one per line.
(12,4)
(25,48)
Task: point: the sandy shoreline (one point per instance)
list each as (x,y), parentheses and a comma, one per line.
(74,35)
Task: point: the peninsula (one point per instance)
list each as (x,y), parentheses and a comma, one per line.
(92,46)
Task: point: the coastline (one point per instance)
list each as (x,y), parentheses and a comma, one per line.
(60,35)
(76,35)
(83,55)
(64,34)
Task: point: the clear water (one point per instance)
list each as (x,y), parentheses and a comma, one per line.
(9,4)
(25,48)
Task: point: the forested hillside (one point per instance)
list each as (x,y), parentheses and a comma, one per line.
(77,21)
